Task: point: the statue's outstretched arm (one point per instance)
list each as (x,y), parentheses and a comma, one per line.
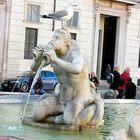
(75,67)
(75,64)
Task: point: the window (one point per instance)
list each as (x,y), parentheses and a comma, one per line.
(73,36)
(33,13)
(47,75)
(50,74)
(30,42)
(73,22)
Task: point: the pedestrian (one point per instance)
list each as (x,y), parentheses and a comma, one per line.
(94,80)
(116,78)
(38,87)
(107,71)
(123,81)
(130,91)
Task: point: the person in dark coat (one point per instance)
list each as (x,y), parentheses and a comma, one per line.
(37,88)
(115,84)
(130,91)
(116,78)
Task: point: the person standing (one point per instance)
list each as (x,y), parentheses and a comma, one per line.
(107,71)
(123,81)
(116,78)
(130,91)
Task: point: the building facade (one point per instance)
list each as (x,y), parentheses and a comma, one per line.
(107,31)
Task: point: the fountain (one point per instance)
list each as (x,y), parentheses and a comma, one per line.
(72,105)
(116,116)
(71,108)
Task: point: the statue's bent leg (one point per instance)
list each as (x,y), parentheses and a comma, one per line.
(83,118)
(46,107)
(79,112)
(86,115)
(72,111)
(97,119)
(76,113)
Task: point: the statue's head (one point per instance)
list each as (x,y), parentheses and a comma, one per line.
(64,34)
(61,41)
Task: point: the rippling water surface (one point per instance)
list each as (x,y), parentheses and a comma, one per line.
(115,117)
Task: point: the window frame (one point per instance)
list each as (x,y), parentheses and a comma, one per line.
(41,4)
(71,26)
(38,12)
(26,42)
(73,35)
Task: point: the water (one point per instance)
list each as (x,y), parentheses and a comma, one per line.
(116,117)
(33,83)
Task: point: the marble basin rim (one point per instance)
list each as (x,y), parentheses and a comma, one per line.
(17,97)
(122,101)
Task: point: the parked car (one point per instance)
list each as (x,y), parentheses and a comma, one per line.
(49,80)
(22,83)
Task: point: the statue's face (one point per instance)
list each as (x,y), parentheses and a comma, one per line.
(59,44)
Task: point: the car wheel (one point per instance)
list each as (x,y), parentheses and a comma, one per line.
(24,87)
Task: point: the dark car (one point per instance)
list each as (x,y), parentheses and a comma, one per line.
(22,83)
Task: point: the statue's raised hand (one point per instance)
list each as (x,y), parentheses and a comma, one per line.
(49,52)
(37,52)
(38,58)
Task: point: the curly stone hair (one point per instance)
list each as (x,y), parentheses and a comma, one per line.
(66,34)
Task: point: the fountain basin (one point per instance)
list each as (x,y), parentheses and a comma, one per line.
(117,113)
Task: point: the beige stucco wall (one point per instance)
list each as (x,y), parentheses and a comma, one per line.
(87,32)
(128,53)
(15,61)
(133,41)
(2,33)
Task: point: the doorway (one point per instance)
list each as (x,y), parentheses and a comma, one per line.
(109,39)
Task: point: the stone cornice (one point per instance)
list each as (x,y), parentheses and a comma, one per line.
(3,0)
(128,1)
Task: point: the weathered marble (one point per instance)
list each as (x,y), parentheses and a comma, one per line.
(72,102)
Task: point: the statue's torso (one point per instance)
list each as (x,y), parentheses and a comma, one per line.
(72,85)
(68,78)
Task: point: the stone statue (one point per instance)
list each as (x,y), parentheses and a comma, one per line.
(72,102)
(132,131)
